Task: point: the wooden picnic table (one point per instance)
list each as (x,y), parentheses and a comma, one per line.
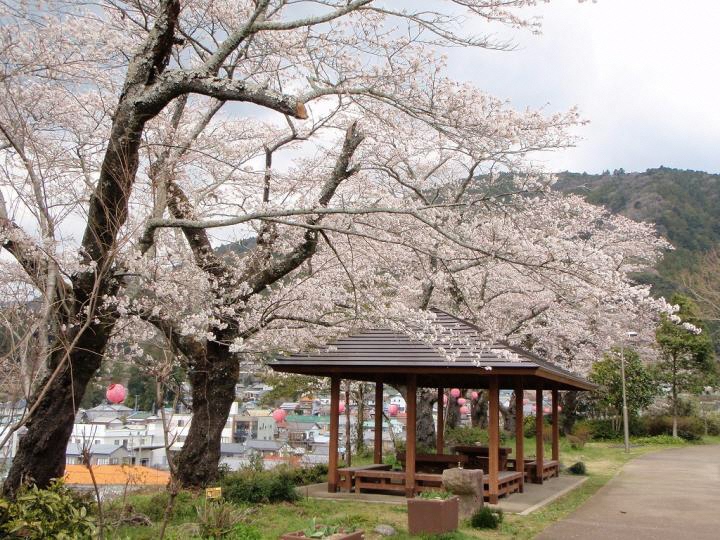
(479,456)
(434,463)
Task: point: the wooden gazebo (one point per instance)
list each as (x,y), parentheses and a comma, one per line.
(466,361)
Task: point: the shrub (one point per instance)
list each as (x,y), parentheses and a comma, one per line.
(466,435)
(578,468)
(303,476)
(251,486)
(45,513)
(216,519)
(435,495)
(713,424)
(659,439)
(529,427)
(690,428)
(486,518)
(603,429)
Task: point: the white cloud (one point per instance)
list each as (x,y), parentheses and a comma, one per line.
(644,72)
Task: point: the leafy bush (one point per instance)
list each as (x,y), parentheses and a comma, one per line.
(466,435)
(486,518)
(529,427)
(304,476)
(45,513)
(580,435)
(578,468)
(435,495)
(216,519)
(690,428)
(713,424)
(251,486)
(659,439)
(603,429)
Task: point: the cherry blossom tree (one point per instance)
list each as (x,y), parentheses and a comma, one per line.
(372,185)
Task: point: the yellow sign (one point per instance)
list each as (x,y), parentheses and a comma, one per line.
(213,493)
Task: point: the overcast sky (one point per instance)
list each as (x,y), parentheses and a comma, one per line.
(645,73)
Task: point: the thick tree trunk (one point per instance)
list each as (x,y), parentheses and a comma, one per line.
(479,410)
(568,417)
(425,424)
(41,451)
(508,415)
(453,413)
(360,428)
(213,379)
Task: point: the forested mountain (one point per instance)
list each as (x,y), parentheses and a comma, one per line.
(684,204)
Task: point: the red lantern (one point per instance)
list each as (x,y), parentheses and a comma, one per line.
(559,408)
(341,407)
(464,410)
(526,401)
(393,410)
(279,415)
(474,395)
(462,401)
(533,408)
(546,410)
(116,393)
(455,392)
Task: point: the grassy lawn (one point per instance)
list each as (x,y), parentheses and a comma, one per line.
(603,461)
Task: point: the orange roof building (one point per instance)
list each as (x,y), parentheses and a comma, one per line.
(113,475)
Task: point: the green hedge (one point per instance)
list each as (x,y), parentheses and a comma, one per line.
(252,486)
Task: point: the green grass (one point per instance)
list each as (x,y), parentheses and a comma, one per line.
(603,461)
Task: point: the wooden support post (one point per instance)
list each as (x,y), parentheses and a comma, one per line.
(494,435)
(440,430)
(410,435)
(520,435)
(334,434)
(539,444)
(555,427)
(378,440)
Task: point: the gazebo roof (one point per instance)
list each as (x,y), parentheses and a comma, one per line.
(451,353)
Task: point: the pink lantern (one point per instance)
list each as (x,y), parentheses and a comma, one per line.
(455,392)
(341,407)
(526,401)
(474,395)
(444,399)
(116,393)
(462,401)
(279,415)
(464,410)
(559,408)
(393,410)
(533,408)
(546,410)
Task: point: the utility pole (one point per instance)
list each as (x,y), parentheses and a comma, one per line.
(626,425)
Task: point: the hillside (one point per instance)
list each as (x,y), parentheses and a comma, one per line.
(684,205)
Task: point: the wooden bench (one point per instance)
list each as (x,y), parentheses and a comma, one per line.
(551,468)
(508,482)
(346,475)
(395,481)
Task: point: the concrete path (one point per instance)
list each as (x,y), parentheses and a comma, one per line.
(673,494)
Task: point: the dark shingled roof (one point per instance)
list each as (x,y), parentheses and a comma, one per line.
(456,355)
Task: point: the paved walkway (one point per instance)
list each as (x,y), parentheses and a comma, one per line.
(673,494)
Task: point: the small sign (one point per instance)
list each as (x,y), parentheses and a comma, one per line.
(213,493)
